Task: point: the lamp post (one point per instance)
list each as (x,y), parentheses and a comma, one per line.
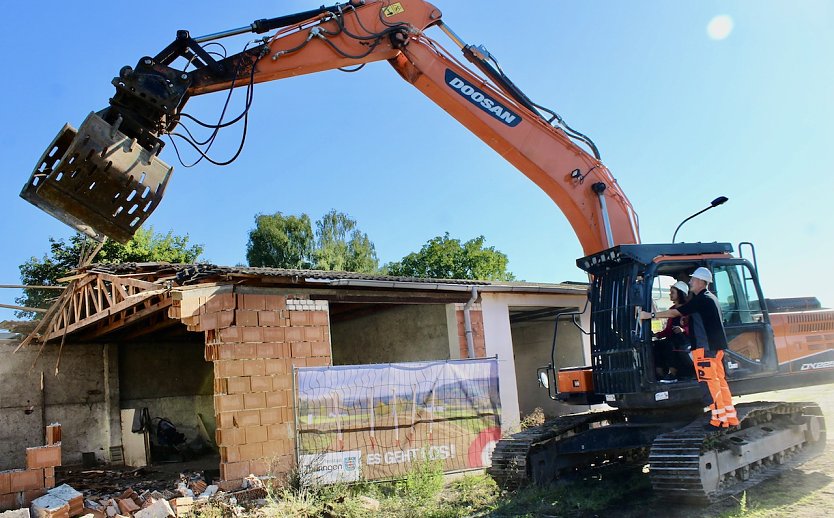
(715,203)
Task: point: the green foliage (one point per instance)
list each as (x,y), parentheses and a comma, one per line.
(445,258)
(423,482)
(341,246)
(63,257)
(280,241)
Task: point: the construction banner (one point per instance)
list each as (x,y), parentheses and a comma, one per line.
(372,422)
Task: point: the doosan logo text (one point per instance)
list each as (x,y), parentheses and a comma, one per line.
(818,365)
(482,100)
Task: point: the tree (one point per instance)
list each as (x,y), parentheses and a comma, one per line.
(341,246)
(63,257)
(445,258)
(280,241)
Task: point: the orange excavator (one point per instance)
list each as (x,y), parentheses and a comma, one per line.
(106,178)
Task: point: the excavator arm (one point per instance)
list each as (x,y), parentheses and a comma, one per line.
(106,178)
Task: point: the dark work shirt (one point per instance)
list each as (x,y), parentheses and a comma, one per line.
(705,326)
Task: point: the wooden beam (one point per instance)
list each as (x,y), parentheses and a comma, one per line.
(127,320)
(143,285)
(152,328)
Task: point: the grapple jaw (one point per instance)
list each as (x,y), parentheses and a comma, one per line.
(98,180)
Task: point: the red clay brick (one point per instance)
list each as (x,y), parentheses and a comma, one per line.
(282,382)
(249,418)
(275,366)
(43,457)
(225,319)
(246,351)
(49,482)
(221,385)
(251,451)
(5,483)
(273,448)
(229,437)
(53,434)
(259,468)
(267,350)
(255,434)
(228,368)
(255,367)
(208,321)
(8,501)
(301,350)
(252,334)
(226,351)
(319,361)
(299,362)
(294,334)
(278,431)
(254,302)
(244,318)
(273,334)
(269,318)
(270,415)
(230,454)
(225,420)
(239,385)
(254,400)
(228,403)
(313,334)
(320,349)
(230,334)
(261,383)
(319,318)
(275,302)
(30,495)
(25,480)
(234,470)
(277,399)
(213,304)
(301,318)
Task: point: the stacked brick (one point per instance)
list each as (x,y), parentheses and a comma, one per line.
(19,487)
(476,318)
(255,341)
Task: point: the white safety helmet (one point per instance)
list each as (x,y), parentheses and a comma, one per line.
(682,288)
(702,273)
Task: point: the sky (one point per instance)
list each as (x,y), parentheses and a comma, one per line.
(686,101)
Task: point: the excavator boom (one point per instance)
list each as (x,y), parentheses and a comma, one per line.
(107,178)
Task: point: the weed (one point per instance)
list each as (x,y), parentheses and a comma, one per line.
(423,482)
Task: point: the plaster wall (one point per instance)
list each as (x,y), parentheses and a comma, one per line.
(76,398)
(403,333)
(173,381)
(532,343)
(499,341)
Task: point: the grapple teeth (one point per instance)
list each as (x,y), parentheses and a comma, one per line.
(97,180)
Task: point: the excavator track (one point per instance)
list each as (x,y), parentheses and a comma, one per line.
(511,460)
(699,466)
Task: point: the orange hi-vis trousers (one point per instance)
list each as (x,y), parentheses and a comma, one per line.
(711,372)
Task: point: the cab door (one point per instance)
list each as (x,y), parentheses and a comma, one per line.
(751,350)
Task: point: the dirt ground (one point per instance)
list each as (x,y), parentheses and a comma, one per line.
(806,491)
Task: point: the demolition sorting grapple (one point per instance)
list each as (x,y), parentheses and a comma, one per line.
(97,180)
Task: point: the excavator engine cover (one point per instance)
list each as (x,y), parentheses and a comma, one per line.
(98,181)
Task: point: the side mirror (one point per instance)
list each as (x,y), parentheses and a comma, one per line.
(544,379)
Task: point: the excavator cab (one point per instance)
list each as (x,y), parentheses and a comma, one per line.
(628,278)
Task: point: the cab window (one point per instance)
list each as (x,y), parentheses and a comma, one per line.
(737,295)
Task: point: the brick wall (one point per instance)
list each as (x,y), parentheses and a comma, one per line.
(18,487)
(476,318)
(255,341)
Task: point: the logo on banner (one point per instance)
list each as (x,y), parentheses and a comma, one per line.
(331,468)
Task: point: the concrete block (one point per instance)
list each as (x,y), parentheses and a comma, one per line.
(159,509)
(49,506)
(43,456)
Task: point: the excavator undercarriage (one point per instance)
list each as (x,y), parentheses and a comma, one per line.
(686,462)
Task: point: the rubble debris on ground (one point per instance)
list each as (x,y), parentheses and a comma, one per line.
(19,487)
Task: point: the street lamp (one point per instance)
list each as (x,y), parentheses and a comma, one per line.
(715,203)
